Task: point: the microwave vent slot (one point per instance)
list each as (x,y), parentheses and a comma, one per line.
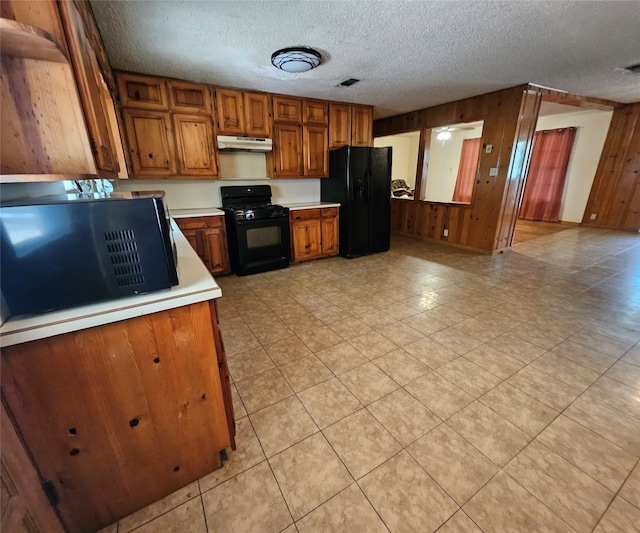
(123,252)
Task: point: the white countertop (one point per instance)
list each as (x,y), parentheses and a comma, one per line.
(195,285)
(310,205)
(215,211)
(197,212)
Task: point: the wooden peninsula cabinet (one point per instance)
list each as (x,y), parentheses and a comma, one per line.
(314,233)
(120,403)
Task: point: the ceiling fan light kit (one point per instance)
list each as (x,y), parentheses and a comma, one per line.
(296,59)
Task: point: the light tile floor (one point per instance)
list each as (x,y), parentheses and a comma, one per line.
(430,388)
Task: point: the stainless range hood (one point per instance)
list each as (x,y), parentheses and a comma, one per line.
(247,144)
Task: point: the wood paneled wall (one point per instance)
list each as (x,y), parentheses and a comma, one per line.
(487,224)
(615,194)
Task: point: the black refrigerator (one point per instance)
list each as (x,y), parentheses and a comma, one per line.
(360,180)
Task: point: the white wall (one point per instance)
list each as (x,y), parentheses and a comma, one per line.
(592,127)
(404,157)
(186,194)
(11,191)
(444,159)
(236,168)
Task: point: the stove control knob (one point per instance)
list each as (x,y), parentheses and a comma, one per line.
(249,214)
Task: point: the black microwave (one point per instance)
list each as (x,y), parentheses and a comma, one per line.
(63,251)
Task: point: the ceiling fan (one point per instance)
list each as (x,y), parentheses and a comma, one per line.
(444,133)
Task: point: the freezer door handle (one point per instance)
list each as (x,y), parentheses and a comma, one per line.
(367,184)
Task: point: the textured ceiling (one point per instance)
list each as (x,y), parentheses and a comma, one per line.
(407,54)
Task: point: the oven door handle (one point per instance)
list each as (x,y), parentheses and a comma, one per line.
(262,221)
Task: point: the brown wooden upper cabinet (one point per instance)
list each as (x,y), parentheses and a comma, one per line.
(339,125)
(287,109)
(195,145)
(91,87)
(287,156)
(142,92)
(49,56)
(316,151)
(151,143)
(243,113)
(361,125)
(178,140)
(189,98)
(301,138)
(350,125)
(315,112)
(257,114)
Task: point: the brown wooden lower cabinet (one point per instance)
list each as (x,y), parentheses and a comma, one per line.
(314,233)
(120,415)
(24,504)
(208,237)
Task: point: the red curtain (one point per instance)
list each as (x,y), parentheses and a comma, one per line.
(467,170)
(547,173)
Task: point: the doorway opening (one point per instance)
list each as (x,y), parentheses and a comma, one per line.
(564,159)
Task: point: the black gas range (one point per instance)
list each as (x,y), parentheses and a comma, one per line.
(257,230)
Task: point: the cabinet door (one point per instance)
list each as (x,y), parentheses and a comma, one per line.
(140,410)
(89,81)
(361,126)
(287,151)
(256,109)
(316,151)
(195,145)
(208,237)
(306,239)
(230,108)
(150,143)
(42,129)
(214,248)
(330,236)
(24,505)
(315,112)
(339,125)
(287,109)
(142,92)
(189,98)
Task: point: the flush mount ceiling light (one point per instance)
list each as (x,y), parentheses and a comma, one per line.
(296,59)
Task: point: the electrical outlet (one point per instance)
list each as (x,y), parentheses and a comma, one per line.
(594,216)
(493,171)
(445,232)
(489,148)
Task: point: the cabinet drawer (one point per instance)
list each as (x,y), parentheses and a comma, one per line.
(304,214)
(143,92)
(329,212)
(200,222)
